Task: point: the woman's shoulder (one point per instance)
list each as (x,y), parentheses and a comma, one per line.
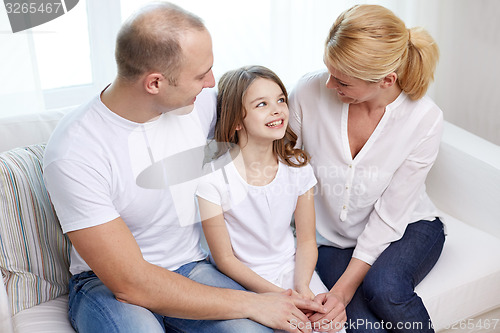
(310,91)
(423,107)
(312,79)
(422,114)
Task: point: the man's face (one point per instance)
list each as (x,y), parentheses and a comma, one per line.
(196,72)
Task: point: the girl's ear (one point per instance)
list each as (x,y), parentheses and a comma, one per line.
(238,127)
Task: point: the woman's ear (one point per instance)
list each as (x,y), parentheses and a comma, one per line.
(153,82)
(238,127)
(389,80)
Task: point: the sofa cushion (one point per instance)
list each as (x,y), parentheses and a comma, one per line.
(34,254)
(48,317)
(464,282)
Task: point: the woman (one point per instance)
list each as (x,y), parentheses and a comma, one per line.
(373,136)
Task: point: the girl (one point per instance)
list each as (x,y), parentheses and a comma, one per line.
(258,182)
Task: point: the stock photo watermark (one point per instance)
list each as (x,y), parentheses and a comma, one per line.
(470,324)
(26,14)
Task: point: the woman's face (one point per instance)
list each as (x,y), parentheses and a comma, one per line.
(350,90)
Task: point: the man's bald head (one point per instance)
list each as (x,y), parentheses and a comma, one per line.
(150,41)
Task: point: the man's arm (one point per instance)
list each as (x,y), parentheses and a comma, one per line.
(113,254)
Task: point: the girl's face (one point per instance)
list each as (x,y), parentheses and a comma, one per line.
(350,90)
(266,112)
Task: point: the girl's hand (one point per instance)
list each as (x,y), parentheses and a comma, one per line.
(305,292)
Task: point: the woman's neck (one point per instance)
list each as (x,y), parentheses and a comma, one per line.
(380,103)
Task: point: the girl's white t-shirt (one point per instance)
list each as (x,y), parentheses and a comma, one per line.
(258,218)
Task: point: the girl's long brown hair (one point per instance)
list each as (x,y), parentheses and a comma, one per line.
(230,113)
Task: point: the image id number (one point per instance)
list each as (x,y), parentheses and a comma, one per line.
(475,324)
(33,7)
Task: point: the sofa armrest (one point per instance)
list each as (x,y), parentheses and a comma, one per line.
(465,180)
(5,315)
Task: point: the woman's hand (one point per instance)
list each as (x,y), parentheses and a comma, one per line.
(335,317)
(336,300)
(283,311)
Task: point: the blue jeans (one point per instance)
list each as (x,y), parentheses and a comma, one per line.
(386,300)
(93,307)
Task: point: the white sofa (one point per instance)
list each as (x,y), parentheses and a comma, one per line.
(462,293)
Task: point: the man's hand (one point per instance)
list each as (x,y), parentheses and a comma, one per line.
(284,311)
(335,316)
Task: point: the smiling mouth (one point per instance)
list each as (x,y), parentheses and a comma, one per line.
(275,123)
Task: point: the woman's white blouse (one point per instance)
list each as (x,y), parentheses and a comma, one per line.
(366,202)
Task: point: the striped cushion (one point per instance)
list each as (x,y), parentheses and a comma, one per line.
(34,254)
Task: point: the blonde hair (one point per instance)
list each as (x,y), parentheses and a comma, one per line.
(230,113)
(369,42)
(150,41)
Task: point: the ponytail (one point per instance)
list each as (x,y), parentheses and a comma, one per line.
(416,74)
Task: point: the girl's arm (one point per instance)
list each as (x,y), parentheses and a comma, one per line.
(307,252)
(219,243)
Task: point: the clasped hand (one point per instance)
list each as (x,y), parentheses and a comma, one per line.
(334,317)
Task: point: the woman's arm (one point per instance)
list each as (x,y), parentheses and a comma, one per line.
(335,301)
(350,280)
(219,242)
(307,252)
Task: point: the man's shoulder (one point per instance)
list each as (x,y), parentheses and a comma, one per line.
(207,97)
(73,131)
(206,109)
(206,102)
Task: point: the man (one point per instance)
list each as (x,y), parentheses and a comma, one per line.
(136,261)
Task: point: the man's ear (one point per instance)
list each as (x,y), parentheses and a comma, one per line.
(153,81)
(389,80)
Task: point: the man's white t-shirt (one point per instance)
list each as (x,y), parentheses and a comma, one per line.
(99,166)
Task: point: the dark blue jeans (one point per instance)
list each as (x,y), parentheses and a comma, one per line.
(93,308)
(386,300)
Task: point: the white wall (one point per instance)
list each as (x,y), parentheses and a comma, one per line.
(467,81)
(288,37)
